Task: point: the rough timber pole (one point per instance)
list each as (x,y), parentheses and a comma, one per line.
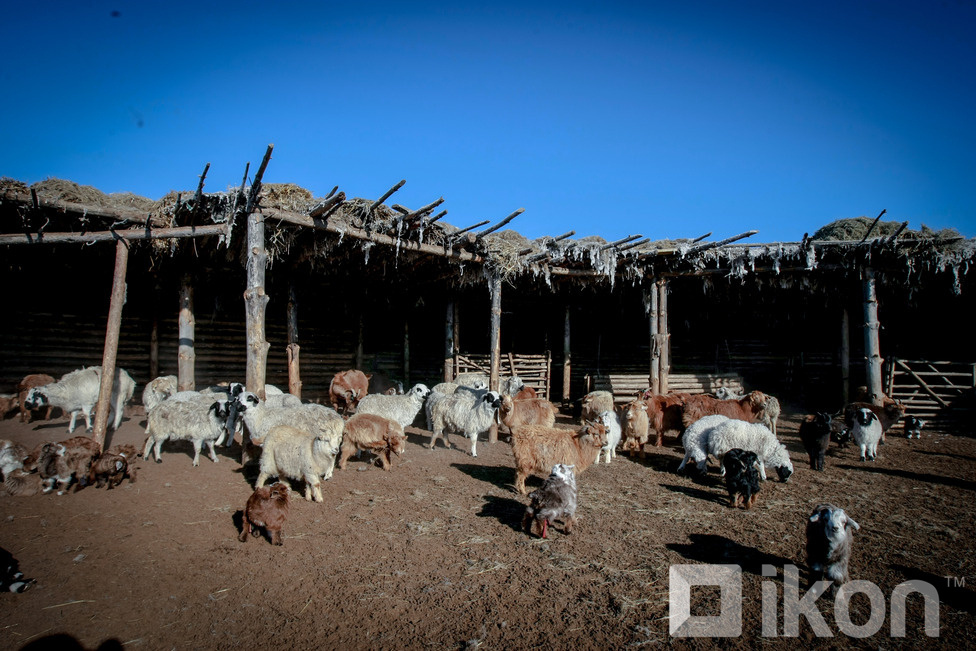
(655,376)
(255,297)
(154,336)
(449,343)
(294,368)
(186,380)
(872,343)
(567,363)
(496,351)
(663,335)
(111,342)
(845,357)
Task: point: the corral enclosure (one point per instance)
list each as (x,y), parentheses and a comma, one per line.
(441,529)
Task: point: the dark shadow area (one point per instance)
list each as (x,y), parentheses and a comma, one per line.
(418,438)
(963,457)
(249,472)
(950,594)
(654,461)
(506,510)
(710,548)
(500,476)
(917,476)
(65,642)
(45,425)
(698,493)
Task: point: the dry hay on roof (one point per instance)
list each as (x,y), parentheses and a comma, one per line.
(286,196)
(69,191)
(13,186)
(857,228)
(130,201)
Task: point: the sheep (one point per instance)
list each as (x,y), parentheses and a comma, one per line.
(538,411)
(635,426)
(11,578)
(267,508)
(596,402)
(261,416)
(379,435)
(8,402)
(178,420)
(664,413)
(346,390)
(888,414)
(867,433)
(77,392)
(839,432)
(108,468)
(830,537)
(473,380)
(403,409)
(726,393)
(467,413)
(537,449)
(444,389)
(12,456)
(23,388)
(63,463)
(741,477)
(751,437)
(913,427)
(770,413)
(299,454)
(21,484)
(815,433)
(611,422)
(747,408)
(158,390)
(695,441)
(556,500)
(130,452)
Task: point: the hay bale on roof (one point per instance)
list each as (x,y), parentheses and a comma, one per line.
(286,196)
(8,184)
(855,229)
(130,201)
(69,191)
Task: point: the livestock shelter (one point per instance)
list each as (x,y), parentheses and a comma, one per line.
(267,283)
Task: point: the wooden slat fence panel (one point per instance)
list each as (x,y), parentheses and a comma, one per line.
(931,389)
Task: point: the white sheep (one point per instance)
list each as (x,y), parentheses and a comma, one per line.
(751,437)
(400,408)
(444,389)
(186,420)
(695,440)
(465,412)
(158,390)
(867,433)
(611,421)
(77,392)
(299,454)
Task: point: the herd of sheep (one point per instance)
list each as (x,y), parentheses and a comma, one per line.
(304,442)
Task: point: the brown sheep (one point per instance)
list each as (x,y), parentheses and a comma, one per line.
(537,411)
(634,426)
(376,434)
(538,448)
(664,413)
(21,484)
(108,468)
(595,403)
(748,408)
(23,388)
(266,508)
(64,462)
(347,389)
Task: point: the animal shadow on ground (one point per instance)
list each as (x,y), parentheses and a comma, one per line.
(500,476)
(954,596)
(654,461)
(698,493)
(917,476)
(504,509)
(249,472)
(964,457)
(711,548)
(417,438)
(50,424)
(65,642)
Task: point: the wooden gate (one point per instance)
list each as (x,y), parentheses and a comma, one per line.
(927,388)
(535,370)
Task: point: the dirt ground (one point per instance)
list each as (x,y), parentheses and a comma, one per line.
(431,555)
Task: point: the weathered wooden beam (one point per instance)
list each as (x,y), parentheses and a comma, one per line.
(872,341)
(455,234)
(186,359)
(567,361)
(845,357)
(293,349)
(873,224)
(101,212)
(252,197)
(199,195)
(655,366)
(500,224)
(111,350)
(327,205)
(389,193)
(633,245)
(233,212)
(495,287)
(334,190)
(714,245)
(449,343)
(610,245)
(664,336)
(439,215)
(559,238)
(255,297)
(179,232)
(420,212)
(701,237)
(894,236)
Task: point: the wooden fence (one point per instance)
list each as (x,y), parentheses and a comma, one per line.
(534,370)
(931,389)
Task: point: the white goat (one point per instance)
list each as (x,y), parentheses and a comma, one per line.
(400,408)
(77,392)
(465,412)
(186,420)
(611,421)
(298,454)
(866,433)
(751,437)
(158,390)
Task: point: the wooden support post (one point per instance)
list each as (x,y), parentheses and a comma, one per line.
(111,342)
(457,339)
(872,341)
(567,363)
(655,373)
(359,342)
(294,366)
(496,352)
(154,336)
(255,306)
(186,379)
(406,352)
(845,357)
(663,335)
(449,343)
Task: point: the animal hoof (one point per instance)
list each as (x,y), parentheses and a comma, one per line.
(159,460)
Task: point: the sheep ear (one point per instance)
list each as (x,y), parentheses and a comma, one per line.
(815,516)
(118,466)
(854,524)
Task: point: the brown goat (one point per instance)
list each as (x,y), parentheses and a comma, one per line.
(8,403)
(748,408)
(23,388)
(538,448)
(21,484)
(664,413)
(376,434)
(634,427)
(526,393)
(347,389)
(130,452)
(595,403)
(108,468)
(64,462)
(266,508)
(532,411)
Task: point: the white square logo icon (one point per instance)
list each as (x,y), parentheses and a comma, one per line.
(728,578)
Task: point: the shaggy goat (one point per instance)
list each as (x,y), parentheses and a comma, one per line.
(596,402)
(752,437)
(266,508)
(741,477)
(537,449)
(664,413)
(467,413)
(747,408)
(108,469)
(611,422)
(815,434)
(830,536)
(77,393)
(376,434)
(867,433)
(23,388)
(635,426)
(770,414)
(63,463)
(556,500)
(299,454)
(536,411)
(178,420)
(20,483)
(158,390)
(401,408)
(346,390)
(12,457)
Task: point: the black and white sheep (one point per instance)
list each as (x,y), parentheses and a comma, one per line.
(261,416)
(913,427)
(815,433)
(400,408)
(189,420)
(752,437)
(555,500)
(77,393)
(866,433)
(741,477)
(445,389)
(470,413)
(830,536)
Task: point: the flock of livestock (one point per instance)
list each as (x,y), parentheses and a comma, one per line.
(304,442)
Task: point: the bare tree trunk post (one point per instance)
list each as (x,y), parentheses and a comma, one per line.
(406,351)
(496,351)
(845,357)
(154,336)
(294,367)
(655,377)
(186,380)
(457,340)
(567,362)
(449,343)
(359,342)
(111,342)
(872,342)
(255,297)
(663,334)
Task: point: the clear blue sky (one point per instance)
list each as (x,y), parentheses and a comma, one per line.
(667,119)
